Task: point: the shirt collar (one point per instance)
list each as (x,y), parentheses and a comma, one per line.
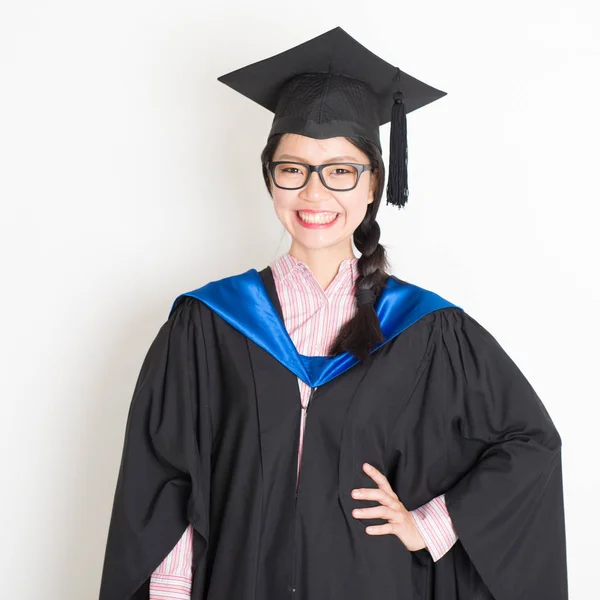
(287,264)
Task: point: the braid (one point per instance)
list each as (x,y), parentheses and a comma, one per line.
(372,264)
(363,331)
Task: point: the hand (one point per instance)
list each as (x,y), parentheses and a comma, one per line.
(401,522)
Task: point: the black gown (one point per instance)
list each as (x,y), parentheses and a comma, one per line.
(212,439)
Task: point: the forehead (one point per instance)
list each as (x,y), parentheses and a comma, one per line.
(310,149)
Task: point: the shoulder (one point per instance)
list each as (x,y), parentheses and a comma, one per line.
(218,292)
(457,338)
(412,290)
(423,302)
(454,340)
(443,316)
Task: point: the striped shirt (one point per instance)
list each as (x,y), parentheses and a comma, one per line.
(313,318)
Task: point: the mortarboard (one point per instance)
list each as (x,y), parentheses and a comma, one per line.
(333,86)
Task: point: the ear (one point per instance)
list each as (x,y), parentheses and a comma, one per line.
(373,185)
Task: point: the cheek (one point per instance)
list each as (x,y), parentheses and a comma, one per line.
(355,210)
(283,205)
(279,200)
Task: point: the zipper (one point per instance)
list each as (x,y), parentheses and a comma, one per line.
(305,408)
(312,393)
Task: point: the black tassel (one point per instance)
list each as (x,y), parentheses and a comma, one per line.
(397,187)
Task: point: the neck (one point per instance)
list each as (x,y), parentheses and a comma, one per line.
(324,263)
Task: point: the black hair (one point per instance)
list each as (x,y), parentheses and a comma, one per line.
(360,334)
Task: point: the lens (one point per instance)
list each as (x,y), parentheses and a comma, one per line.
(340,177)
(290,175)
(336,176)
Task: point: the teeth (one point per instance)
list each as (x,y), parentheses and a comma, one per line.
(322,217)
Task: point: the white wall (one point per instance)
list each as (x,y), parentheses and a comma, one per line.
(115,197)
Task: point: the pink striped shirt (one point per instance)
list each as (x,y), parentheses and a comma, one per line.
(312,317)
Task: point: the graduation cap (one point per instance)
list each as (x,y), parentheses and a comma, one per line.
(333,86)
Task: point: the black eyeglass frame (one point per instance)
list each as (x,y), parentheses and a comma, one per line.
(319,169)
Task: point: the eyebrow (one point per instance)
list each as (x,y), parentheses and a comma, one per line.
(329,160)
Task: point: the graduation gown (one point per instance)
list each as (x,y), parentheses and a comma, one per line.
(212,439)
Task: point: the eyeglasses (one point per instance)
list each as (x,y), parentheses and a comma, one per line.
(339,177)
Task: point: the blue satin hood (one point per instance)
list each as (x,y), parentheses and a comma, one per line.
(243,301)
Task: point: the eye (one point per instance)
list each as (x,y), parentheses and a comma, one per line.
(341,169)
(289,169)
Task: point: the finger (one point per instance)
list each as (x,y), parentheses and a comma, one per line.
(374,512)
(378,477)
(380,529)
(378,494)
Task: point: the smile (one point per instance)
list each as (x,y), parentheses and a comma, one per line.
(316,219)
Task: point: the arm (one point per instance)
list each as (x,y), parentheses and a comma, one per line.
(435,526)
(507,506)
(474,430)
(163,478)
(502,464)
(172,579)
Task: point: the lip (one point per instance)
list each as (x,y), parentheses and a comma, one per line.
(315,225)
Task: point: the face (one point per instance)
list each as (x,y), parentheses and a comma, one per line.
(316,217)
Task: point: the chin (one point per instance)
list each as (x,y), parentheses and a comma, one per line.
(317,244)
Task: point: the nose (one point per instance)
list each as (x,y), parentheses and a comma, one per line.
(314,188)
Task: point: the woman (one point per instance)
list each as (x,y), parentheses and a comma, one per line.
(274,405)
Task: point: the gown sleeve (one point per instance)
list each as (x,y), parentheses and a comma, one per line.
(485,439)
(162,484)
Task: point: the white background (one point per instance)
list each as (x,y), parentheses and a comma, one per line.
(129,175)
